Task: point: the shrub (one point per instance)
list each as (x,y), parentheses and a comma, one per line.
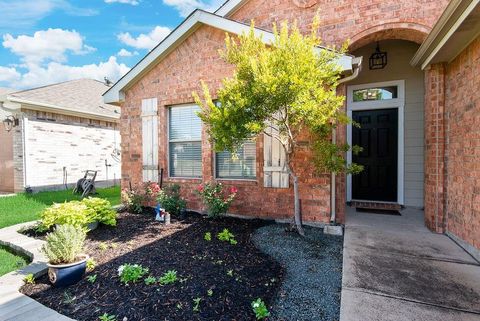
(227,236)
(150,280)
(151,191)
(171,200)
(92,278)
(207,236)
(131,272)
(73,213)
(260,309)
(79,213)
(107,317)
(133,200)
(216,198)
(91,264)
(168,277)
(65,244)
(29,279)
(103,210)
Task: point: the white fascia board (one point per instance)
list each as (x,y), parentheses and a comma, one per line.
(18,103)
(116,93)
(229,7)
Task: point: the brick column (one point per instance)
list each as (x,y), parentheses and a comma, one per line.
(435,147)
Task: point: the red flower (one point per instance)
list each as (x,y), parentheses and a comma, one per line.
(233,190)
(200,188)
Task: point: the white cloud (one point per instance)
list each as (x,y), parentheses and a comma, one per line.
(125,53)
(55,72)
(185,7)
(21,14)
(8,74)
(132,2)
(145,41)
(51,44)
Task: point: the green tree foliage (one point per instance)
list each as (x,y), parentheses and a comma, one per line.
(289,85)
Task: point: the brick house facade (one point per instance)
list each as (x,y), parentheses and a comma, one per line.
(436,153)
(59,136)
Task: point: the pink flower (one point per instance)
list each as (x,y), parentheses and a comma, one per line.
(200,188)
(233,190)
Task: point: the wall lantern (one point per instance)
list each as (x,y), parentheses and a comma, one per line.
(10,122)
(378,60)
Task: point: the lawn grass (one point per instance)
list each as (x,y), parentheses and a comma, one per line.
(9,261)
(27,207)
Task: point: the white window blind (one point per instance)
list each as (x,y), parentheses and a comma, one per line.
(150,139)
(240,165)
(185,141)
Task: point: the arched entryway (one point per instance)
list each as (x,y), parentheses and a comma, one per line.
(388,102)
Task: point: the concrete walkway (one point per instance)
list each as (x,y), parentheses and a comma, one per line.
(15,306)
(395,269)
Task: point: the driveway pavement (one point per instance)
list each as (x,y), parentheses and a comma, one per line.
(395,269)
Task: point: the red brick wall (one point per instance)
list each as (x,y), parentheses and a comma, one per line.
(173,82)
(349,19)
(434,147)
(463,145)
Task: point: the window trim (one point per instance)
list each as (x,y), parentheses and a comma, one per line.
(247,179)
(170,177)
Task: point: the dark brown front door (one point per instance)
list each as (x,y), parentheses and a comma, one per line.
(378,136)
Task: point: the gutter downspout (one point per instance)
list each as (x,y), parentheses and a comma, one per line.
(357,66)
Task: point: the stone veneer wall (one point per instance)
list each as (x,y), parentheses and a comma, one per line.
(55,141)
(179,73)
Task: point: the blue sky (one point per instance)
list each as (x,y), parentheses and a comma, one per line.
(48,41)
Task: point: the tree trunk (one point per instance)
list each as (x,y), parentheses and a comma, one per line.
(298,216)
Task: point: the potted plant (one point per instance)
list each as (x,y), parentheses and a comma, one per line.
(66,262)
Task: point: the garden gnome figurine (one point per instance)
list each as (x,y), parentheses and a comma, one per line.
(159,213)
(167,218)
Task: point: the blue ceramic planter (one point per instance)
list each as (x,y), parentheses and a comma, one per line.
(67,274)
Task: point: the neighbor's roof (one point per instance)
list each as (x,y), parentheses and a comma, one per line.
(197,18)
(4,91)
(82,97)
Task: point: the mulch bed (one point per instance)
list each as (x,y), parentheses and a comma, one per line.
(237,274)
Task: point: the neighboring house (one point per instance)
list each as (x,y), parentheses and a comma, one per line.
(55,134)
(417,104)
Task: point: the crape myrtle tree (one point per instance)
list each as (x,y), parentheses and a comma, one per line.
(288,85)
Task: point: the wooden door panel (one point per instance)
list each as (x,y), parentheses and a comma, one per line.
(378,136)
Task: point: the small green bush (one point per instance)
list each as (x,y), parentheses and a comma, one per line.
(207,236)
(168,277)
(133,200)
(227,236)
(131,273)
(216,198)
(79,213)
(171,200)
(103,210)
(150,280)
(73,213)
(65,244)
(260,309)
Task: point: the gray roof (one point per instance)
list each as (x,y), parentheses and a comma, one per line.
(4,91)
(81,95)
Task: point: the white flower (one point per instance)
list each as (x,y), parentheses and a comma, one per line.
(120,269)
(256,305)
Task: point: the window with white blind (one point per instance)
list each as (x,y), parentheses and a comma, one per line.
(239,165)
(185,141)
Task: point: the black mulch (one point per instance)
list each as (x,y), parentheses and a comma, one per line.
(200,265)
